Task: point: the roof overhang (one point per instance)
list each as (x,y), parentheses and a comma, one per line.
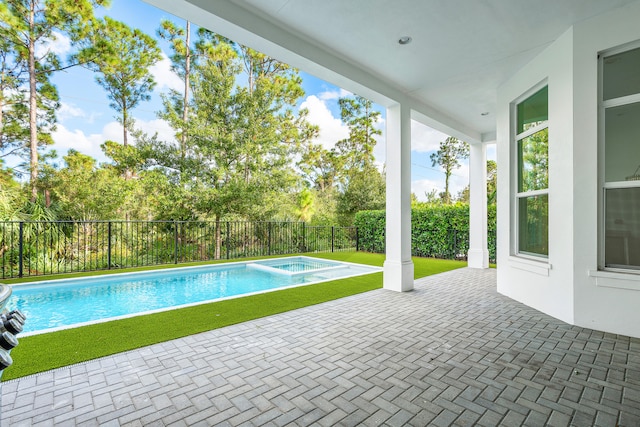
(461,51)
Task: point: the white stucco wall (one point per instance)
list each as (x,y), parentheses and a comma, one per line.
(603,301)
(569,285)
(546,285)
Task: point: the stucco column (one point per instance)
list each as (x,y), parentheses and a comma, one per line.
(398,266)
(478,249)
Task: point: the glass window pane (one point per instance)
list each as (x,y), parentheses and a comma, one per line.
(533,227)
(622,228)
(622,143)
(621,74)
(534,110)
(533,161)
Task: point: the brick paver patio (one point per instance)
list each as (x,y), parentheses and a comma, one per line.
(452,352)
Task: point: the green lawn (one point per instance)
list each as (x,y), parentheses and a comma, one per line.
(42,352)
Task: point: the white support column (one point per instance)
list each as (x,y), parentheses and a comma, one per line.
(398,266)
(478,256)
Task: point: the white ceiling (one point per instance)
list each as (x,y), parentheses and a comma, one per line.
(462,50)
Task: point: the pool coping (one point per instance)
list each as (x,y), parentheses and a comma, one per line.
(170,269)
(374,269)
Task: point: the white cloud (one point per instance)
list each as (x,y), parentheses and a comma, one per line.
(424,138)
(164,77)
(332,129)
(58,44)
(112,131)
(66,139)
(379,151)
(69,111)
(423,186)
(459,179)
(161,127)
(330,95)
(492,153)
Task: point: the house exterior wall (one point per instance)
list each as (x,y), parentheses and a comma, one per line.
(546,285)
(568,286)
(603,301)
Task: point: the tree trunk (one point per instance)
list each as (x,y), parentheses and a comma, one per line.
(447,197)
(124,127)
(218,252)
(2,105)
(1,115)
(185,107)
(33,106)
(251,82)
(367,131)
(125,118)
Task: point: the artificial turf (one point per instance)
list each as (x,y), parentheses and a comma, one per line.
(38,353)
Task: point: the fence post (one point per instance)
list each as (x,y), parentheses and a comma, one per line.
(21,249)
(269,237)
(455,244)
(304,237)
(109,246)
(175,241)
(357,240)
(227,239)
(333,233)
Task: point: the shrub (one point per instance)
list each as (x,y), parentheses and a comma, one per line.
(371,229)
(439,231)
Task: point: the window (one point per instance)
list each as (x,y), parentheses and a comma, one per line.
(532,166)
(620,165)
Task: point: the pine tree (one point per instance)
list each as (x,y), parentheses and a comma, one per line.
(27,24)
(451,151)
(123,67)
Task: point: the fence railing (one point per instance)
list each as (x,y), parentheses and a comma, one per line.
(41,248)
(36,248)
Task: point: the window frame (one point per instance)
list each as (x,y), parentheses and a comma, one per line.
(603,184)
(516,173)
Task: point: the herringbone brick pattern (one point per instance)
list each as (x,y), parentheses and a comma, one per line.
(452,352)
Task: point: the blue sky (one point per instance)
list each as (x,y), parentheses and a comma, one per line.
(85,120)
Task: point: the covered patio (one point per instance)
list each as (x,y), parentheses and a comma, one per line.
(452,351)
(537,79)
(451,348)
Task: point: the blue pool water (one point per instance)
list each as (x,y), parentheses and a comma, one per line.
(62,303)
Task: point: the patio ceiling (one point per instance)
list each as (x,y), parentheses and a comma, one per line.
(461,51)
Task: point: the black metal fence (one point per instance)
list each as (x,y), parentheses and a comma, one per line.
(36,248)
(40,248)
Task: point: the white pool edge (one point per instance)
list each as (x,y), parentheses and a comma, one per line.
(177,307)
(214,263)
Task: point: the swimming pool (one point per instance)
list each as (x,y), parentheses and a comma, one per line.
(59,304)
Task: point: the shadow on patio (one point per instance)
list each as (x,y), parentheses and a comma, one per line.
(453,351)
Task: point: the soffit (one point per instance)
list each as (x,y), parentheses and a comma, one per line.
(461,51)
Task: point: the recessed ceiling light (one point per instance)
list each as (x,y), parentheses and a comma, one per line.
(404,40)
(486,113)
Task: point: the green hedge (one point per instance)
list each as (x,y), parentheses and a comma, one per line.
(439,231)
